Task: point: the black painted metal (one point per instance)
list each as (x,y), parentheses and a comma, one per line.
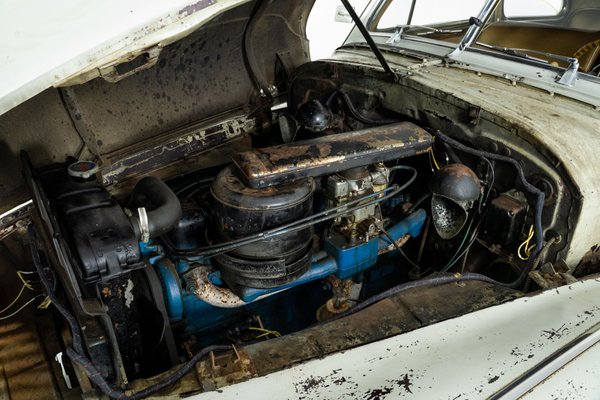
(190,230)
(365,33)
(241,211)
(100,236)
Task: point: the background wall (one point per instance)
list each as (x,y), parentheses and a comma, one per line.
(324,32)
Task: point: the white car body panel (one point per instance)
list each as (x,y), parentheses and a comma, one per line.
(63,40)
(576,380)
(469,357)
(472,356)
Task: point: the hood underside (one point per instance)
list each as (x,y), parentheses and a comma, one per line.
(87,40)
(164,73)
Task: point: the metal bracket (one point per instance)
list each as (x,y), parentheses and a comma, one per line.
(144,225)
(474,116)
(395,38)
(569,77)
(475,27)
(59,359)
(131,65)
(222,361)
(222,369)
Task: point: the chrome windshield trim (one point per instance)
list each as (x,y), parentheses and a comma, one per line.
(542,75)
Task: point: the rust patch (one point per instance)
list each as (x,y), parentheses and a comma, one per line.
(181,144)
(309,384)
(400,242)
(195,7)
(460,170)
(279,164)
(377,394)
(590,262)
(553,334)
(404,383)
(224,369)
(402,313)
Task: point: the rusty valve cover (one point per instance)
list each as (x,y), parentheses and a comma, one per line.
(283,163)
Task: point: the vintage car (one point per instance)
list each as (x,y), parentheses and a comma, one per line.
(211,214)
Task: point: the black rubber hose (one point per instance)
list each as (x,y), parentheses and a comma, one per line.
(437,280)
(354,112)
(452,278)
(166,208)
(77,353)
(110,391)
(539,204)
(537,225)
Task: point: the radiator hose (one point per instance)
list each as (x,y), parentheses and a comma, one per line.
(165,208)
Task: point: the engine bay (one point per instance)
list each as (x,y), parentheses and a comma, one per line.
(197,207)
(346,200)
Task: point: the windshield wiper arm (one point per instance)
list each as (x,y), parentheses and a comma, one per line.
(365,33)
(568,78)
(400,29)
(521,53)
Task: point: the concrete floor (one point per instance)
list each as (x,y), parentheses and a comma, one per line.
(27,366)
(24,370)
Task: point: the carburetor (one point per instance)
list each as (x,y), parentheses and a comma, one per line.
(348,185)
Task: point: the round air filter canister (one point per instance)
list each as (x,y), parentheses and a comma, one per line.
(241,211)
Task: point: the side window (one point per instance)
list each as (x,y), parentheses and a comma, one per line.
(328,25)
(428,12)
(532,8)
(396,13)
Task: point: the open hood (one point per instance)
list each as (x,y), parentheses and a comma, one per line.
(70,42)
(106,82)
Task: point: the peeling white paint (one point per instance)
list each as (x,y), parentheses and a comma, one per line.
(469,357)
(45,44)
(128,293)
(577,380)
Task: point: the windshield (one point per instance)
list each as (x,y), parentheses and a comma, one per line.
(393,13)
(425,12)
(551,31)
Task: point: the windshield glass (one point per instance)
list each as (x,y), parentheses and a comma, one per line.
(426,12)
(550,31)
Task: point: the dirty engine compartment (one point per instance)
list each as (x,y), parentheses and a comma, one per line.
(347,201)
(208,206)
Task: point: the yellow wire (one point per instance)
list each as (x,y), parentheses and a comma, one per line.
(15,300)
(524,250)
(25,282)
(26,285)
(45,303)
(265,332)
(435,163)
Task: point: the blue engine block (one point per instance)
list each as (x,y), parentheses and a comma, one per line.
(339,259)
